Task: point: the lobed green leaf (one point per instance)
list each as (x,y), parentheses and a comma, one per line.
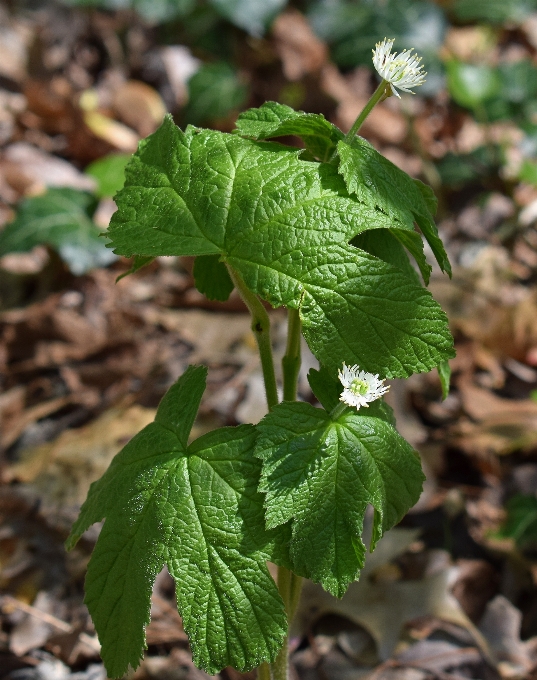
(284,224)
(196,509)
(322,474)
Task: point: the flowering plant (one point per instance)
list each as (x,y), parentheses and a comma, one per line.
(326,232)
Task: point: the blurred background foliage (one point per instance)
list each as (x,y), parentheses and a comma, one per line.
(205,61)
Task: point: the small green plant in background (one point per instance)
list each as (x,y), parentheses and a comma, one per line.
(325,232)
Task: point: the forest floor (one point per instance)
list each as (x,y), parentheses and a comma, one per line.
(451,592)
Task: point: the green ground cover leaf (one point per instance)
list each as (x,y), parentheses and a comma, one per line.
(214,91)
(196,509)
(252,15)
(521,521)
(61,219)
(212,278)
(277,120)
(472,84)
(494,11)
(284,225)
(374,178)
(109,172)
(322,474)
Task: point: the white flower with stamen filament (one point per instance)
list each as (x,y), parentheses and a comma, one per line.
(402,71)
(360,387)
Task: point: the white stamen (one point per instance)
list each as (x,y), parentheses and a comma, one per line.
(402,70)
(360,387)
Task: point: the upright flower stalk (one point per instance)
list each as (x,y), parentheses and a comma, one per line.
(401,71)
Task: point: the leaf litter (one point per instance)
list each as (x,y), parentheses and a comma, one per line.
(84,362)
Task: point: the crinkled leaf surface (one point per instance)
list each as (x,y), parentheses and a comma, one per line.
(277,120)
(384,244)
(374,178)
(322,474)
(195,508)
(284,225)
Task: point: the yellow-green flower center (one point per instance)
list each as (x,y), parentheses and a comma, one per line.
(359,387)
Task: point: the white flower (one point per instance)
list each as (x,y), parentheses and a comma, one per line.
(360,387)
(400,70)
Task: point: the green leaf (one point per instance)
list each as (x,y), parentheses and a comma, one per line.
(214,91)
(251,15)
(444,373)
(385,244)
(140,261)
(277,120)
(374,178)
(284,225)
(458,170)
(472,84)
(325,387)
(152,10)
(323,474)
(61,219)
(196,509)
(109,173)
(212,278)
(521,521)
(494,11)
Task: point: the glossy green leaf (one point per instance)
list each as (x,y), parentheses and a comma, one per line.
(385,244)
(61,219)
(212,278)
(277,120)
(322,474)
(196,509)
(375,179)
(284,225)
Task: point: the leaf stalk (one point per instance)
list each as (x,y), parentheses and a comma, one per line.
(261,329)
(292,359)
(378,95)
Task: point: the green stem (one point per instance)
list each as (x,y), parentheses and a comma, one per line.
(263,672)
(338,410)
(291,359)
(377,95)
(261,330)
(289,584)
